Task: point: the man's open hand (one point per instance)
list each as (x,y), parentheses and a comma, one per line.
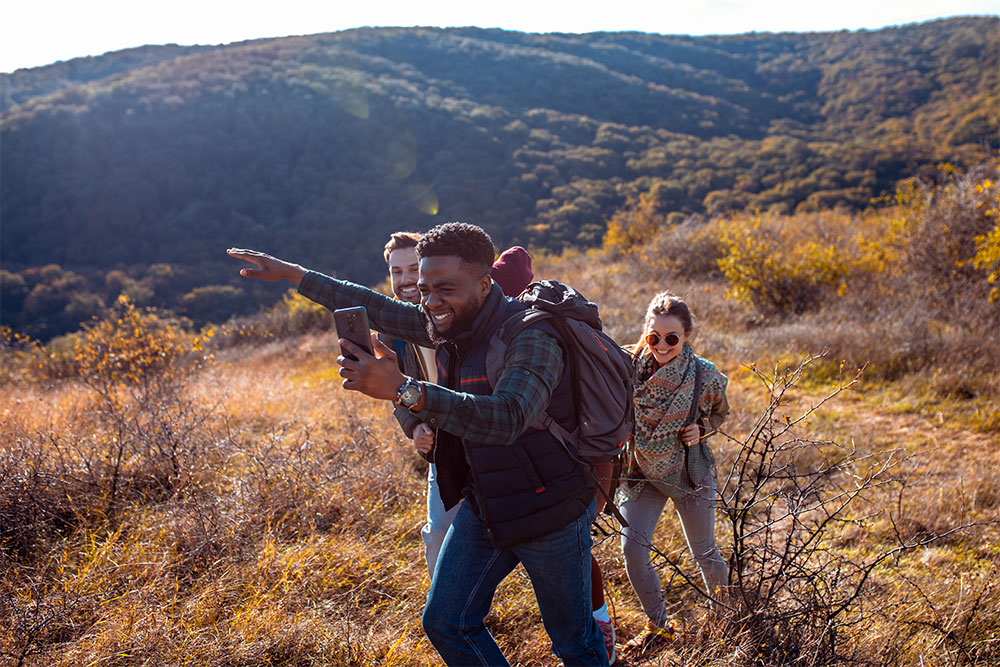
(268,268)
(378,377)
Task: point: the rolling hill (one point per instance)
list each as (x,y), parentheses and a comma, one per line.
(147,163)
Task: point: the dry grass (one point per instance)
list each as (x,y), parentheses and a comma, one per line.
(290,535)
(293,541)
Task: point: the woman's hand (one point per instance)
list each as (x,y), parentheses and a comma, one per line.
(423,438)
(690,434)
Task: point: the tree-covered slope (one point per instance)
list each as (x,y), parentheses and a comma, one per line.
(317,147)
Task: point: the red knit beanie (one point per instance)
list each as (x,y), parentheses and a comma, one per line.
(512,271)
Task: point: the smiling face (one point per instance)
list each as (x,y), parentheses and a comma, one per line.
(451,295)
(404,270)
(663,326)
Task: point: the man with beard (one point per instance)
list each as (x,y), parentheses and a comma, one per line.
(526,500)
(416,361)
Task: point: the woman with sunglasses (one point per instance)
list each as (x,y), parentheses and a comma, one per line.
(667,458)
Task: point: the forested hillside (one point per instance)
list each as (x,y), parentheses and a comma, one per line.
(131,172)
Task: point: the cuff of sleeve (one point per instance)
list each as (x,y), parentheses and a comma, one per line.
(308,285)
(407,420)
(435,403)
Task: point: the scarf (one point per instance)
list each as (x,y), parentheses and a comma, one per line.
(663,399)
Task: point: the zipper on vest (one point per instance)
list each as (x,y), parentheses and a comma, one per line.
(454,381)
(477,489)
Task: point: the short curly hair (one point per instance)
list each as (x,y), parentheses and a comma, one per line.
(470,243)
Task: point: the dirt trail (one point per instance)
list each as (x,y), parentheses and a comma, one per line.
(950,471)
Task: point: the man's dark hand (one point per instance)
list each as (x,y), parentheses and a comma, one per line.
(378,377)
(268,268)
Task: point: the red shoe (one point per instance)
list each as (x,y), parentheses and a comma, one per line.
(608,630)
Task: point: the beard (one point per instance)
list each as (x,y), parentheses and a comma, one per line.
(433,334)
(462,322)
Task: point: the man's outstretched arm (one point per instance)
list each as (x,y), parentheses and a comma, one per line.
(396,318)
(268,268)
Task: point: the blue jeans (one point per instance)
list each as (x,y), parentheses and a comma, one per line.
(469,570)
(438,521)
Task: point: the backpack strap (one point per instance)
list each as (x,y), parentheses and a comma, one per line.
(693,415)
(696,397)
(564,437)
(512,326)
(399,347)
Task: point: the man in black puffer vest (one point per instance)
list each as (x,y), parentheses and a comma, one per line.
(528,501)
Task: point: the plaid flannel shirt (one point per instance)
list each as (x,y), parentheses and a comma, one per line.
(533,366)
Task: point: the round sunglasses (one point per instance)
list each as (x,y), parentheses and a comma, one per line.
(653,339)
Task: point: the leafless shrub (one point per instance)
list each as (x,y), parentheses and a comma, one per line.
(783,498)
(801,529)
(37,613)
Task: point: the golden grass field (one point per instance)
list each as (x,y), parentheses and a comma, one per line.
(246,510)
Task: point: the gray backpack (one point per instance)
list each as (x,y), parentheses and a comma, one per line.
(602,374)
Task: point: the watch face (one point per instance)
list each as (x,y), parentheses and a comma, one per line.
(410,395)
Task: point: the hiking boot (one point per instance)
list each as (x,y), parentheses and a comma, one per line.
(608,630)
(652,637)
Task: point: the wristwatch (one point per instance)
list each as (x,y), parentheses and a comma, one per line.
(410,393)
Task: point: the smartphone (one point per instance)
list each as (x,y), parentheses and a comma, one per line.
(352,324)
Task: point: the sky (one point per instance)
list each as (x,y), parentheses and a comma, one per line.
(40,32)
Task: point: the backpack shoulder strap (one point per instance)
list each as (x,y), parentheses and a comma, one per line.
(696,396)
(399,347)
(518,322)
(693,416)
(512,326)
